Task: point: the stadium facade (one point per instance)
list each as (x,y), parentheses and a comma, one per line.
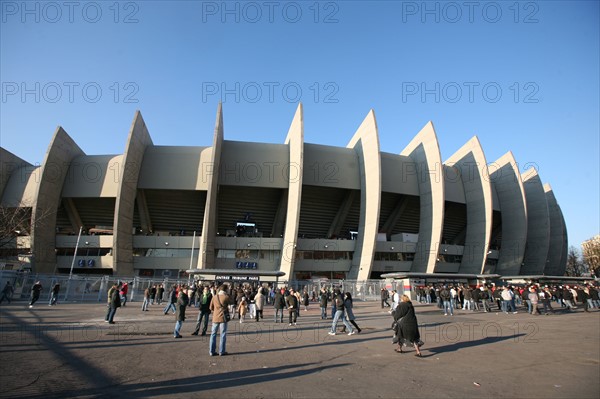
(308,210)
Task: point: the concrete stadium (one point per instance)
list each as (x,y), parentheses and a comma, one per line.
(304,209)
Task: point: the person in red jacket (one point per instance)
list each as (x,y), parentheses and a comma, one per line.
(123,293)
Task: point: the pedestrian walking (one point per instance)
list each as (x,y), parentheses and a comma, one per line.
(7,292)
(348,305)
(406,326)
(338,302)
(123,293)
(172,300)
(54,296)
(36,289)
(385,295)
(259,303)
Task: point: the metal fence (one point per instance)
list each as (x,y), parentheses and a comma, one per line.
(94,288)
(77,288)
(361,290)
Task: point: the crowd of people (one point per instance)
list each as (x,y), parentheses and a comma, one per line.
(507,299)
(246,302)
(224,303)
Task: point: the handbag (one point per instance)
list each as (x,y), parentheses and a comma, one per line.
(226,313)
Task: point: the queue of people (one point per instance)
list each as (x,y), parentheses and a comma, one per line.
(509,298)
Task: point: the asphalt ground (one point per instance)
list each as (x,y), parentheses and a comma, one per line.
(69,351)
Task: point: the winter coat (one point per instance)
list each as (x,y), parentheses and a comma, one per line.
(182,303)
(115,299)
(348,307)
(259,301)
(219,306)
(408,328)
(279,300)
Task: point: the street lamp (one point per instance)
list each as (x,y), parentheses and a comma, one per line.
(73,262)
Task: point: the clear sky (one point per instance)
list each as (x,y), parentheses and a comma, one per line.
(522,76)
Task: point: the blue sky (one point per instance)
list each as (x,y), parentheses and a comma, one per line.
(522,76)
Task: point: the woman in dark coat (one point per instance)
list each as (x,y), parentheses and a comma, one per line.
(305,300)
(182,302)
(407,328)
(348,305)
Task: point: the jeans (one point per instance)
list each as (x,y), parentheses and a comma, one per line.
(169,306)
(529,307)
(547,306)
(202,316)
(53,299)
(278,315)
(110,315)
(569,303)
(590,303)
(336,317)
(324,313)
(486,306)
(534,308)
(467,304)
(428,298)
(509,306)
(222,327)
(293,315)
(123,300)
(145,304)
(448,308)
(178,325)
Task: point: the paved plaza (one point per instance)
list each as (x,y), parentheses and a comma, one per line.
(69,351)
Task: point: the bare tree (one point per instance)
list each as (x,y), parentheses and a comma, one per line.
(15,222)
(575,267)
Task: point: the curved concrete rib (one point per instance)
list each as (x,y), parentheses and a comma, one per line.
(54,169)
(9,163)
(424,151)
(538,225)
(470,161)
(129,173)
(366,144)
(557,252)
(506,181)
(206,258)
(295,141)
